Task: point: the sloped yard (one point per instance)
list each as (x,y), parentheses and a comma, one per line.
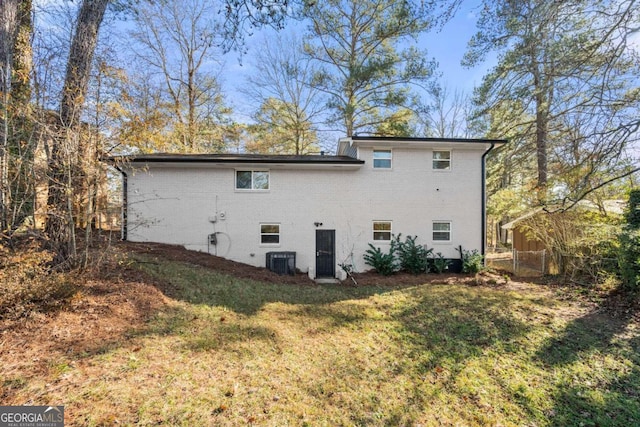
(162,342)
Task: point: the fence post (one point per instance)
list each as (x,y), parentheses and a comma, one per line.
(544,254)
(515,261)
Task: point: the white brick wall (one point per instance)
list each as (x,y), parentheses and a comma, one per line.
(173,204)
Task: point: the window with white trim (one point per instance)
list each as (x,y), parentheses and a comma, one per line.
(270,234)
(442,159)
(441,231)
(252,180)
(382,159)
(382,231)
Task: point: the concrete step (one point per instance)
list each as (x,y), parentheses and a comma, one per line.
(326,280)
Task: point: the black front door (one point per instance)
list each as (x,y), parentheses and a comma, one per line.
(325,253)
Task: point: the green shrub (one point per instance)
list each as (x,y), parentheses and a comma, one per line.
(412,257)
(384,264)
(629,250)
(629,259)
(472,261)
(440,263)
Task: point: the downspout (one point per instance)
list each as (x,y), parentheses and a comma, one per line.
(483,220)
(125,204)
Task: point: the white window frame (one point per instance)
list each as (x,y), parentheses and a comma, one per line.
(390,159)
(433,231)
(434,160)
(268,233)
(374,231)
(253,179)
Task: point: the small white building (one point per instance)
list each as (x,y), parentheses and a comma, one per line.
(324,210)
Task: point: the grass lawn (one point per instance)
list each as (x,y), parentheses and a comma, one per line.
(226,351)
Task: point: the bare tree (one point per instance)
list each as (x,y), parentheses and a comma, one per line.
(447,114)
(290,108)
(178,43)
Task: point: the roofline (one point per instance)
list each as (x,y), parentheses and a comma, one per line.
(429,139)
(234,158)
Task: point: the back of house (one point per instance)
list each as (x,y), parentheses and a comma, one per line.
(311,212)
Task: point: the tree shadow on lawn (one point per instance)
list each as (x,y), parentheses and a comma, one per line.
(455,323)
(436,329)
(199,285)
(204,331)
(447,330)
(597,361)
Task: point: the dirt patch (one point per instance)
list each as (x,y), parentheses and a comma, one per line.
(96,319)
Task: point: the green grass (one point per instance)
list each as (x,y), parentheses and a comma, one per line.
(236,352)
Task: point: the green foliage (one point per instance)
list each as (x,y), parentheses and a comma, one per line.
(407,255)
(472,261)
(541,81)
(632,214)
(440,263)
(629,251)
(369,77)
(281,128)
(629,259)
(411,256)
(383,263)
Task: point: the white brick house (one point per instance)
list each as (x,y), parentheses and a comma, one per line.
(326,209)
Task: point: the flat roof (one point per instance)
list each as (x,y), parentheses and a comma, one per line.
(270,161)
(235,158)
(425,139)
(344,144)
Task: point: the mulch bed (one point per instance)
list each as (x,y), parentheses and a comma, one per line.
(245,271)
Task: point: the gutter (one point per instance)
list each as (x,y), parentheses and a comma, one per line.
(125,203)
(483,220)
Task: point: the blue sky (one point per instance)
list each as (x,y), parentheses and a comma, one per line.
(447,46)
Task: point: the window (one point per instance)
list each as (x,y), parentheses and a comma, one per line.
(382,159)
(269,234)
(442,231)
(382,230)
(442,160)
(252,180)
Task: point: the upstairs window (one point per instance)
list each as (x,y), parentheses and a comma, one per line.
(252,180)
(269,234)
(442,231)
(442,160)
(382,159)
(382,231)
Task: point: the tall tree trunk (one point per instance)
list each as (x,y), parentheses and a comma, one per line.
(541,143)
(16,151)
(22,60)
(59,226)
(81,53)
(8,31)
(22,143)
(542,96)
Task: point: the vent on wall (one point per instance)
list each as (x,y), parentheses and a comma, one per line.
(282,262)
